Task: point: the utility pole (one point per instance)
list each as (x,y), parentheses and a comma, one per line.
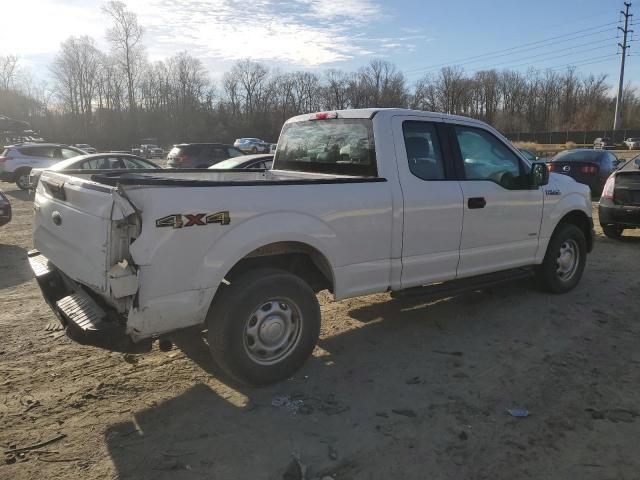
(624,46)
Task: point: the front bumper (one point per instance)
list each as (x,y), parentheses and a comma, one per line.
(85,320)
(627,216)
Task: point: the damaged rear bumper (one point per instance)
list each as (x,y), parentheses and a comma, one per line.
(85,319)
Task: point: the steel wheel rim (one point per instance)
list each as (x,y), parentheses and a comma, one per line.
(272,331)
(23,181)
(568,260)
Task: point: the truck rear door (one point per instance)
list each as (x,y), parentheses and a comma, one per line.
(73,226)
(432,201)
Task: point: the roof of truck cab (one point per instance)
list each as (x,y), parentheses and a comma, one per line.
(371,112)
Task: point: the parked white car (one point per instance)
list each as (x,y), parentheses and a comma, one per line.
(126,258)
(16,161)
(632,143)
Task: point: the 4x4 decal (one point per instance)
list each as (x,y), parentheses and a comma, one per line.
(180,220)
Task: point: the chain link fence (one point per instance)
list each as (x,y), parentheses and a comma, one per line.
(581,138)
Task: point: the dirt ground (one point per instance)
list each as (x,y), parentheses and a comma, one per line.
(396,389)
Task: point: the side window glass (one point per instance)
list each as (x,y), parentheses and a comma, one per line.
(46,152)
(234,152)
(423,150)
(106,163)
(487,158)
(68,153)
(133,163)
(90,164)
(218,154)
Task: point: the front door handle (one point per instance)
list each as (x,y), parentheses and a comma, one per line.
(476,202)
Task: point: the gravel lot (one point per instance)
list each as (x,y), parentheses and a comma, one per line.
(396,389)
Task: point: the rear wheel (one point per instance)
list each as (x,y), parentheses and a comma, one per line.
(263,326)
(22,178)
(254,150)
(564,262)
(612,231)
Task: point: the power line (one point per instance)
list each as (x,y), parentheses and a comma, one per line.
(545,54)
(520,47)
(579,63)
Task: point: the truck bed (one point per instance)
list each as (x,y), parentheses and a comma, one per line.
(213,178)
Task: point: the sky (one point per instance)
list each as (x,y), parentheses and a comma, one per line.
(419,36)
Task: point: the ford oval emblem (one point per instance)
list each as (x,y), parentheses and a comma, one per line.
(57,218)
(566,168)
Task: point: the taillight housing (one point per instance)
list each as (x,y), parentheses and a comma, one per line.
(4,159)
(182,158)
(553,167)
(607,191)
(589,169)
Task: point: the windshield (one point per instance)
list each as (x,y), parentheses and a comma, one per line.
(342,146)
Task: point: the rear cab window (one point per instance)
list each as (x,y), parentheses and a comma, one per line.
(338,146)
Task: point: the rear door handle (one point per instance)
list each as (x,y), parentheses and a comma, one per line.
(476,202)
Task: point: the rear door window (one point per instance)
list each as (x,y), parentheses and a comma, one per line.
(234,152)
(423,150)
(45,152)
(102,163)
(134,163)
(342,146)
(217,154)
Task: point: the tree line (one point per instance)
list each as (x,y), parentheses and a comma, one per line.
(114,98)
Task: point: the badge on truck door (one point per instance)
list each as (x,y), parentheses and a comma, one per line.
(180,220)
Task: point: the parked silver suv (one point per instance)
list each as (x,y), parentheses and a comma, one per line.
(252,145)
(16,161)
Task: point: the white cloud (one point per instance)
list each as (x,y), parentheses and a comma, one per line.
(295,33)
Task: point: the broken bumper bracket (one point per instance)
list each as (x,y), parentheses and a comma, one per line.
(84,319)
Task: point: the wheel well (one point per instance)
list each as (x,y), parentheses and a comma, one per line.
(298,258)
(583,222)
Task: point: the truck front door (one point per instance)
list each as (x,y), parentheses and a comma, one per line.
(502,213)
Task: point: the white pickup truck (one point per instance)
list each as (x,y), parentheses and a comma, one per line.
(417,200)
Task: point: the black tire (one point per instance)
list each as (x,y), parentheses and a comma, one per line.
(234,312)
(612,231)
(22,178)
(550,274)
(254,150)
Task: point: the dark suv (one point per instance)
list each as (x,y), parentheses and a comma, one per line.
(200,155)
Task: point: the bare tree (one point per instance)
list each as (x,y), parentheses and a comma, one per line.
(8,71)
(125,38)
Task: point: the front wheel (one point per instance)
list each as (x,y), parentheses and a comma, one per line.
(263,326)
(564,262)
(612,231)
(22,178)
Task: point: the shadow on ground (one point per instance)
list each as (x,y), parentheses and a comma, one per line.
(237,432)
(14,266)
(23,195)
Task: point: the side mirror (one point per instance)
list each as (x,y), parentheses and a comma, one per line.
(539,175)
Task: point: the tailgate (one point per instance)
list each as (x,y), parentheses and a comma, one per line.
(73,226)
